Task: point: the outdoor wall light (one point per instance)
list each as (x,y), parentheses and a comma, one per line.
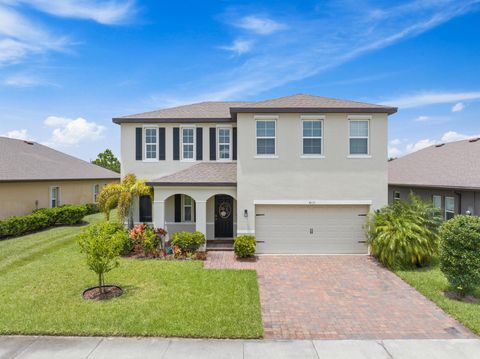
(245,213)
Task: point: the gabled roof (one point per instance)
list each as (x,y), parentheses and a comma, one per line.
(202,174)
(30,161)
(227,111)
(449,165)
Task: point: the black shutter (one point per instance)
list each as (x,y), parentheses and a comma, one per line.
(234,143)
(199,143)
(176,143)
(138,143)
(178,208)
(161,143)
(213,143)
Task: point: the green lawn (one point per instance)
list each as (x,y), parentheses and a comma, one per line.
(42,276)
(431,283)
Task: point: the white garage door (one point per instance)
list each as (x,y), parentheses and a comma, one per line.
(332,229)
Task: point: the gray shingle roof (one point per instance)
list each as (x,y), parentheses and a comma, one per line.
(451,165)
(31,161)
(202,174)
(226,111)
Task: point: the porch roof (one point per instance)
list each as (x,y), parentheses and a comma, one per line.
(202,174)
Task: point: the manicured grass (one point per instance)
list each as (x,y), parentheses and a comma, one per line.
(432,283)
(42,276)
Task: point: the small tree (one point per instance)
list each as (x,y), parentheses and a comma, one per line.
(102,244)
(121,195)
(460,253)
(107,160)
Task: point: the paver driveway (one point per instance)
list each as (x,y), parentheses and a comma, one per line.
(340,297)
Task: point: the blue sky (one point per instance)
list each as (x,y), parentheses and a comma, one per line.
(68,67)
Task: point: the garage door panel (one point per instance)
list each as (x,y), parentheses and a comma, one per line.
(287,229)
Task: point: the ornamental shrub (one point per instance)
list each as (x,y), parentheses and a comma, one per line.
(70,214)
(187,241)
(91,208)
(460,252)
(404,234)
(17,226)
(102,244)
(244,246)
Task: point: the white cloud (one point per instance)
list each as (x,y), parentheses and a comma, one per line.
(18,134)
(259,25)
(422,118)
(432,98)
(104,12)
(25,80)
(419,145)
(71,132)
(239,46)
(458,107)
(396,142)
(452,136)
(394,152)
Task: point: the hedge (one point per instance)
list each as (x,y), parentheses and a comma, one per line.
(42,218)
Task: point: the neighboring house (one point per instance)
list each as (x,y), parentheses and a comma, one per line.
(447,175)
(35,176)
(298,172)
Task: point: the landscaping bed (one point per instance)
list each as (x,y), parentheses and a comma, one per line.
(43,276)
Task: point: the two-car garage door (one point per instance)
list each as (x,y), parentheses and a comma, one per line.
(311,229)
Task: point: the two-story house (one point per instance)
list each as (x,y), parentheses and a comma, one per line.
(298,172)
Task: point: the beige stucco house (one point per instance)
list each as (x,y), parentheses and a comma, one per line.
(36,176)
(298,172)
(446,174)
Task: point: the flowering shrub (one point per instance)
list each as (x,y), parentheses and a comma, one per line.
(147,239)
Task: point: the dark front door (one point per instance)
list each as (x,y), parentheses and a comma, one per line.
(223,216)
(145,209)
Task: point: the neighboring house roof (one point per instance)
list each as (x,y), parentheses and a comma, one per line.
(227,111)
(30,161)
(449,165)
(202,174)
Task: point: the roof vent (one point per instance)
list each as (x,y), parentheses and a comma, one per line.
(474,139)
(440,145)
(29,143)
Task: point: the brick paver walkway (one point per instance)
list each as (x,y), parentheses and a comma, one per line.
(340,297)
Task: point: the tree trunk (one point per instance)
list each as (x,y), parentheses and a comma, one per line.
(100,281)
(130,217)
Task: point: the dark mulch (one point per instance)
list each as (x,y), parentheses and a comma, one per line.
(102,293)
(456,296)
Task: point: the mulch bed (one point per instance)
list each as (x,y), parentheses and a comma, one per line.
(466,299)
(107,292)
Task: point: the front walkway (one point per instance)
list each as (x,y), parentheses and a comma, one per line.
(340,297)
(159,348)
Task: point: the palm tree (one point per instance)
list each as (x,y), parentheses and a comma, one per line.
(121,195)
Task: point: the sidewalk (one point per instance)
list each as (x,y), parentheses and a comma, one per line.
(118,348)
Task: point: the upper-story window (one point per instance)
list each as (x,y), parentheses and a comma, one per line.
(224,144)
(188,143)
(358,137)
(312,137)
(266,137)
(150,143)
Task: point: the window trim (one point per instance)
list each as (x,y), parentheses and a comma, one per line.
(192,206)
(230,150)
(395,198)
(56,199)
(194,144)
(262,119)
(359,118)
(322,122)
(145,159)
(448,211)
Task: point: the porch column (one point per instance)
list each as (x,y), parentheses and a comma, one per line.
(201,221)
(158,214)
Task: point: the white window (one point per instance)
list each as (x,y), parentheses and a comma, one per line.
(188,143)
(396,196)
(449,207)
(54,197)
(150,143)
(187,209)
(266,137)
(437,201)
(224,147)
(312,137)
(358,137)
(96,191)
